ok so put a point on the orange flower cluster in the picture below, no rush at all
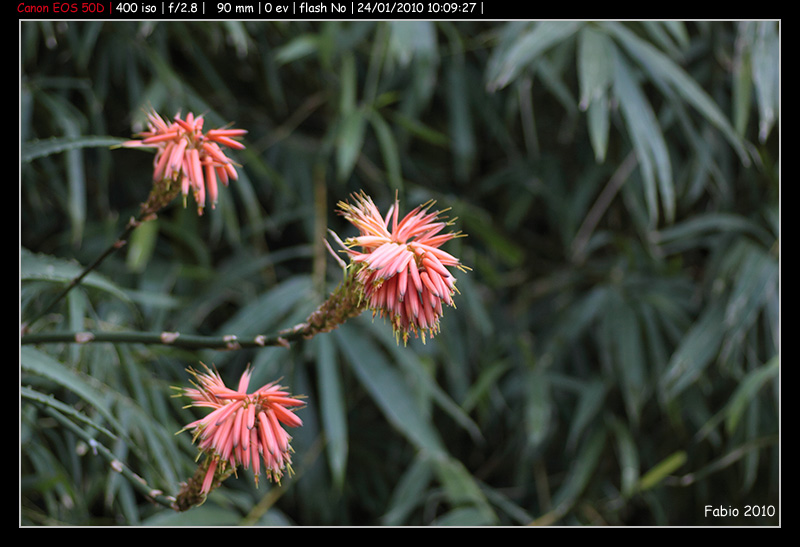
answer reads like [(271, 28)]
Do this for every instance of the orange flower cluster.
[(243, 428), (403, 272), (188, 156)]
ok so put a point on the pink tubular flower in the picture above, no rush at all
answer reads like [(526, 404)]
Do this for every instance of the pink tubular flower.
[(188, 156), (403, 271), (243, 428)]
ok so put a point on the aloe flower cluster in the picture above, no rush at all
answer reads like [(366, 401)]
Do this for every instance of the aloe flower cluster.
[(188, 158), (402, 270), (242, 428)]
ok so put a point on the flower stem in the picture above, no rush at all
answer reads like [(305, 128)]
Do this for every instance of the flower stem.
[(345, 302), (120, 242), (160, 196), (135, 480), (185, 341)]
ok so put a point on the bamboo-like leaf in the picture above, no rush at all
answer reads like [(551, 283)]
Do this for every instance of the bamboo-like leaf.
[(507, 62), (208, 514), (332, 405), (663, 68), (756, 282), (36, 149), (623, 337), (591, 399), (464, 516), (742, 81), (595, 65), (695, 352), (421, 377), (350, 139), (539, 407), (460, 123), (264, 314), (141, 245), (580, 472), (389, 391), (628, 457), (35, 362), (412, 38), (689, 233), (766, 75), (462, 490), (67, 410), (409, 491), (43, 267), (389, 151), (648, 141), (665, 467), (747, 390), (298, 48), (595, 75)]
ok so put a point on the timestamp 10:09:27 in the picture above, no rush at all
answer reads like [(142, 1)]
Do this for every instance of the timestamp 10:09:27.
[(416, 7)]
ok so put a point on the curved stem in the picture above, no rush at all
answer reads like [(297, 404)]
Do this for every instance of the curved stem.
[(120, 242), (161, 194), (135, 480)]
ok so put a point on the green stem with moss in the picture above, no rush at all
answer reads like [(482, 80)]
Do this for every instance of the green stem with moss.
[(343, 303)]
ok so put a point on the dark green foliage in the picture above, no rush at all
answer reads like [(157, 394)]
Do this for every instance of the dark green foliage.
[(614, 357)]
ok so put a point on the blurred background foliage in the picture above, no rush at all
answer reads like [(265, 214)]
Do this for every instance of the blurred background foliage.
[(614, 357)]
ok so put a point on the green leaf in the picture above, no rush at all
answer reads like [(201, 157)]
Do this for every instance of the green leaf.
[(688, 233), (421, 376), (389, 151), (581, 471), (539, 408), (592, 397), (598, 123), (756, 282), (460, 123), (389, 391), (349, 141), (628, 457), (697, 349), (49, 268), (661, 470), (35, 362), (36, 149), (297, 48), (766, 75), (465, 516), (208, 514), (622, 335), (67, 410), (463, 491), (419, 130), (595, 75), (664, 69), (648, 141), (409, 491), (264, 314), (595, 65), (412, 38), (509, 60), (141, 245), (332, 406), (747, 390)]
